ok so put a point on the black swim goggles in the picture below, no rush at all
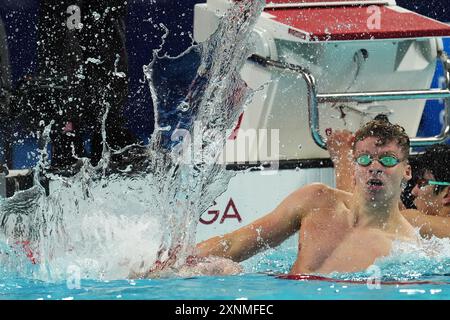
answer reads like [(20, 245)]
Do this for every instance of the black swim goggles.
[(386, 161)]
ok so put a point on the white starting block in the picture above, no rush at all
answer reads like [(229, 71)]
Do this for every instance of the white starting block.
[(321, 64)]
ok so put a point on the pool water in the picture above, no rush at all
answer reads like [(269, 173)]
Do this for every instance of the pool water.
[(401, 278), (240, 287), (105, 227)]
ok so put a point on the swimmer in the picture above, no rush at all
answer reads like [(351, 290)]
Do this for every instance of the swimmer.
[(338, 231), (431, 191)]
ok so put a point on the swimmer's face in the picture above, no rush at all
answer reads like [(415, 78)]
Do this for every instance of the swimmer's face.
[(426, 200), (378, 182)]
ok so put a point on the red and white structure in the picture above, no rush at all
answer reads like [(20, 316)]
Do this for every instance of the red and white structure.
[(321, 64)]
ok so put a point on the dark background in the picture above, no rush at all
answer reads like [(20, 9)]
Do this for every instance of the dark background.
[(143, 34)]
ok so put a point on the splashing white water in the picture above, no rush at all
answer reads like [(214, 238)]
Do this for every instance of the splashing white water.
[(109, 227), (428, 257), (407, 261)]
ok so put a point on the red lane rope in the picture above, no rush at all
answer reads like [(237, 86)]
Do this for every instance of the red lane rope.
[(309, 277), (28, 252)]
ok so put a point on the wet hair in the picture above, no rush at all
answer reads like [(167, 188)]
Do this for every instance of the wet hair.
[(381, 128), (436, 159), (381, 117)]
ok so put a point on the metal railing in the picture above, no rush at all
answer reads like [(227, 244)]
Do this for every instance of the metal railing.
[(315, 98)]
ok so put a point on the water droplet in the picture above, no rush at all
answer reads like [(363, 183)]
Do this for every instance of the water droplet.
[(183, 106)]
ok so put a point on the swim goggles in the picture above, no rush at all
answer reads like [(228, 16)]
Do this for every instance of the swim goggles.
[(386, 161), (424, 182)]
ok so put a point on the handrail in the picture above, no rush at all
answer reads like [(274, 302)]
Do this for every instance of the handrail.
[(383, 95), (314, 99), (326, 4)]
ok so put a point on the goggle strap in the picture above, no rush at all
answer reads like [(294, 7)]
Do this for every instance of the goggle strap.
[(438, 183)]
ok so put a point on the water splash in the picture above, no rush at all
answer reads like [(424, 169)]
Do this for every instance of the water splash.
[(111, 226), (212, 105), (430, 258), (409, 262)]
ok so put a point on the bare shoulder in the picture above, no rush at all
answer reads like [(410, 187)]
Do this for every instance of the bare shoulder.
[(428, 225), (413, 215), (314, 191), (418, 218), (319, 196)]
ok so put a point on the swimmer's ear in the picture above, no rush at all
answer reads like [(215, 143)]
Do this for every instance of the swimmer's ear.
[(446, 198)]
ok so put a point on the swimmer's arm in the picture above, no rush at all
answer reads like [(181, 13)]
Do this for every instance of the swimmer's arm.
[(428, 225), (268, 231), (339, 145)]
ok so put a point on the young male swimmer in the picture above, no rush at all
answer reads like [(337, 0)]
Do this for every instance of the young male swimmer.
[(338, 231), (431, 191)]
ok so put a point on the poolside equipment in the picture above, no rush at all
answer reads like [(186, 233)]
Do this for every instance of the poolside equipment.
[(318, 65)]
